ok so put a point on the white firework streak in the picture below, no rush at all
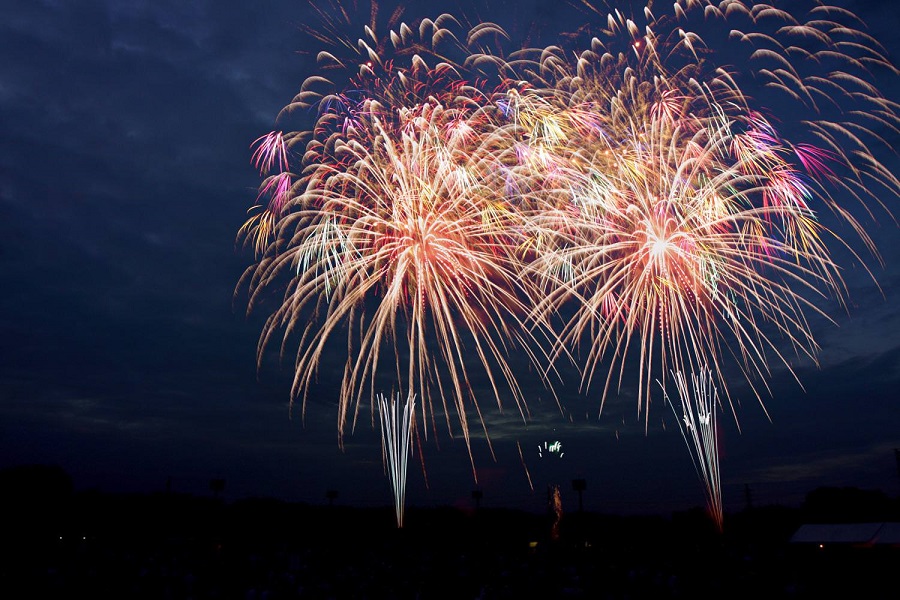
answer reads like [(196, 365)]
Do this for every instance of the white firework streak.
[(396, 427), (697, 423)]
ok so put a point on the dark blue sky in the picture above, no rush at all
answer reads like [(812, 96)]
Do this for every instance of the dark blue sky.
[(124, 176)]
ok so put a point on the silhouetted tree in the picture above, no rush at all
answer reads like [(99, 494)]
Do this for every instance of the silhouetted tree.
[(36, 498), (848, 504)]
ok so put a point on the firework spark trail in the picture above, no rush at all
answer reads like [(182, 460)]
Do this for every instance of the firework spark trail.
[(678, 227), (630, 198), (405, 226), (524, 466), (667, 252), (397, 423), (398, 236), (696, 420)]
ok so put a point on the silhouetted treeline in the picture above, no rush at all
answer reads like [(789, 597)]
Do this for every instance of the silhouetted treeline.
[(849, 505), (58, 542)]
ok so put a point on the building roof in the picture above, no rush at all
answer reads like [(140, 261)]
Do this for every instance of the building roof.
[(848, 533)]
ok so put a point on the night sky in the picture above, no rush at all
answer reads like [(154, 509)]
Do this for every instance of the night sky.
[(126, 359)]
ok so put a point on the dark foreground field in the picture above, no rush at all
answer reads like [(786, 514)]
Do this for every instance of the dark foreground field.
[(94, 545)]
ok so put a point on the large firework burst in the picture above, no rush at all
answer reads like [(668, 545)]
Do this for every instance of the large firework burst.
[(451, 203), (396, 235), (680, 228)]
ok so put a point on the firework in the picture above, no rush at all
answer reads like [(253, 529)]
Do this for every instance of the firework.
[(397, 422), (554, 506), (629, 203), (696, 418), (679, 227), (397, 234), (550, 449)]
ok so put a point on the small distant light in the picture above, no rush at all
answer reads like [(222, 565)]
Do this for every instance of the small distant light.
[(821, 546)]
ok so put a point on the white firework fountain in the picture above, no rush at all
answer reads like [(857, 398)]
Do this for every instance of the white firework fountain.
[(396, 427)]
